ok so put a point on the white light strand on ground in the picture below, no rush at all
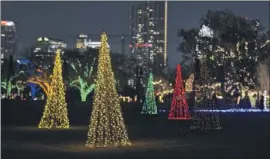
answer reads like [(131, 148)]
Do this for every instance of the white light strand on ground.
[(232, 110)]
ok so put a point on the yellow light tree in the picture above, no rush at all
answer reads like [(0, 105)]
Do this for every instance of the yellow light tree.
[(55, 114), (107, 127)]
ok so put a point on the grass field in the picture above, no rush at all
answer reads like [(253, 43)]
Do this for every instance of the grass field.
[(244, 135)]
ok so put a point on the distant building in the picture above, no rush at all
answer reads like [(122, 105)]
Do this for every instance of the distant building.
[(8, 39), (45, 50), (148, 29), (83, 43), (2, 58), (48, 45), (94, 45)]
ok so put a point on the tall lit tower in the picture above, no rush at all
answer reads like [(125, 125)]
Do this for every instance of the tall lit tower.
[(148, 32), (8, 39), (165, 32)]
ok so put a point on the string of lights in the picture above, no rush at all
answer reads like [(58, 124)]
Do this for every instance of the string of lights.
[(126, 99), (162, 88), (232, 110), (44, 82)]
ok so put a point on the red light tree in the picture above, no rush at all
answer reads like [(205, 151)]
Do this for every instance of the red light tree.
[(179, 107)]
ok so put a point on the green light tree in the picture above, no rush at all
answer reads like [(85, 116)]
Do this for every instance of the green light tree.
[(149, 105), (83, 80)]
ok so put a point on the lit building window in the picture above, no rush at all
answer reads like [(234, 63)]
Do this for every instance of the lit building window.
[(131, 82)]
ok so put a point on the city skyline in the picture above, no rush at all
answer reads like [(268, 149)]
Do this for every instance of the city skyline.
[(72, 18)]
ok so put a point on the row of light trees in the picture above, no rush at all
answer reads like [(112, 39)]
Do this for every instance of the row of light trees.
[(107, 127), (107, 124)]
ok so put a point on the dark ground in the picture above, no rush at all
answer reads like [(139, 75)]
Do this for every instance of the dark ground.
[(245, 135)]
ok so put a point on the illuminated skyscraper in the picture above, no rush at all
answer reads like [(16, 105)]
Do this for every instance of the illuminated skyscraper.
[(149, 32), (8, 39)]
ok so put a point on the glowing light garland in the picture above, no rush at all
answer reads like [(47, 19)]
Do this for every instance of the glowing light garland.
[(44, 82), (236, 87), (126, 99), (55, 114), (107, 126), (232, 110), (179, 107), (162, 88), (149, 105), (82, 83), (162, 94)]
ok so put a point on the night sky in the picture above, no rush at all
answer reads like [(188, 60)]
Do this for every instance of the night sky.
[(65, 20)]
